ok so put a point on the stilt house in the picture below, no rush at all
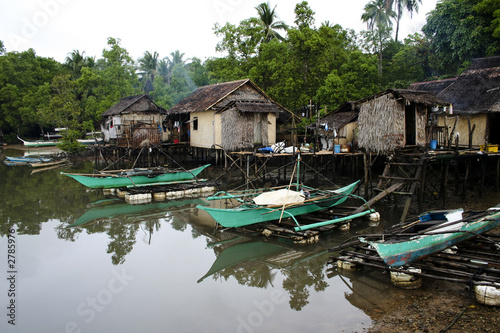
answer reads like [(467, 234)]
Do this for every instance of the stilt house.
[(394, 119), (135, 121), (235, 115), (472, 113)]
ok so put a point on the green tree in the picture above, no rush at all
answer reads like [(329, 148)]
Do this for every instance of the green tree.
[(304, 15), (356, 78), (65, 111), (244, 40), (460, 30), (119, 78), (314, 53), (240, 42), (411, 62), (22, 74)]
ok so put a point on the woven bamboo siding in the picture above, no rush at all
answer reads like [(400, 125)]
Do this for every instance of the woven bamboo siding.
[(381, 124), (238, 130), (421, 120)]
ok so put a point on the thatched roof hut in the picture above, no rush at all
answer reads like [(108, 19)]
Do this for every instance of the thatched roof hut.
[(134, 121), (394, 118), (233, 115), (134, 104)]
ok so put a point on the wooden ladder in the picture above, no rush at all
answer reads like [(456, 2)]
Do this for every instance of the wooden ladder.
[(402, 175)]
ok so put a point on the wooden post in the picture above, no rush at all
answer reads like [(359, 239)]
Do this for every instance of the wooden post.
[(365, 162), (248, 170), (466, 176), (483, 174), (498, 174)]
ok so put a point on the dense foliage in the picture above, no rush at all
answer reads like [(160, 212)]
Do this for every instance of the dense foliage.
[(302, 65)]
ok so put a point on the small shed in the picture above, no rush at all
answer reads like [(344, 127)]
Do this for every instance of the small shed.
[(235, 115), (339, 127), (135, 121), (394, 119)]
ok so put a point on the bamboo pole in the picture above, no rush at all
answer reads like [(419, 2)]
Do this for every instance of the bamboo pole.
[(289, 185)]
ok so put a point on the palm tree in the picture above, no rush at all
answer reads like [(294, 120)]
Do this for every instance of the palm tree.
[(75, 61), (148, 66), (378, 16), (399, 6), (163, 69), (269, 27), (175, 59)]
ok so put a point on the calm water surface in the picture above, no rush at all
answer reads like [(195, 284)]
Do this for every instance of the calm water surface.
[(161, 267)]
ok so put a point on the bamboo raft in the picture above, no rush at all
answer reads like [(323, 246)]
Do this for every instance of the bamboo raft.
[(473, 262)]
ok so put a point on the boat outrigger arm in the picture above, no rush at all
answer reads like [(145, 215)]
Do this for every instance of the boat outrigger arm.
[(323, 223), (333, 221), (328, 222)]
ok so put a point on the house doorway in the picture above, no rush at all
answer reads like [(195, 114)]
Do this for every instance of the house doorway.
[(410, 125), (494, 124)]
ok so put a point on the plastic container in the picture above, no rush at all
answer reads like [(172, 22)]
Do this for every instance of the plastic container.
[(344, 148), (433, 144), (337, 149)]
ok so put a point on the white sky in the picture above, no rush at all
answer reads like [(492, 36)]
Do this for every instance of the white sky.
[(54, 28)]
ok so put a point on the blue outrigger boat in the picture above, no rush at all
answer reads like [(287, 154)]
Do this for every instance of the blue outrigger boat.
[(19, 161), (23, 159)]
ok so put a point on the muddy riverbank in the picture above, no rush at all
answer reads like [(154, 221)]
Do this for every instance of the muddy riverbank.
[(442, 306)]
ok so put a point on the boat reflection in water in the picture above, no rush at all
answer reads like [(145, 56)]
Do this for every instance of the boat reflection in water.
[(116, 208), (257, 263)]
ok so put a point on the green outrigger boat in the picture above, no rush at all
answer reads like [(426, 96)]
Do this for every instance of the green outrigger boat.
[(289, 203), (432, 233), (135, 177)]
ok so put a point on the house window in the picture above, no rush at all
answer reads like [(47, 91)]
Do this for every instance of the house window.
[(195, 124)]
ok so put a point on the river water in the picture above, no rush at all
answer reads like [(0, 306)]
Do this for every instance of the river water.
[(162, 267)]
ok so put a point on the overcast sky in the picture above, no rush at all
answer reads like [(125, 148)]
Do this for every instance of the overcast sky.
[(53, 28)]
